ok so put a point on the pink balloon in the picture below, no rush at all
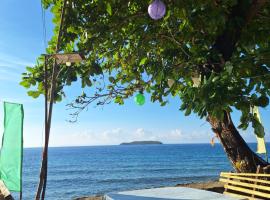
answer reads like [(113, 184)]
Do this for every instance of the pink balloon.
[(157, 9)]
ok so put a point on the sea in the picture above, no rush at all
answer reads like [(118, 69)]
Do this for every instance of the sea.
[(84, 171)]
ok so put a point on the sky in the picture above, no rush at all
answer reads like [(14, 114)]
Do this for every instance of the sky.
[(22, 42)]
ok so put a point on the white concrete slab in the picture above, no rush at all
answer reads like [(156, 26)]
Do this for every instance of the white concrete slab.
[(168, 193)]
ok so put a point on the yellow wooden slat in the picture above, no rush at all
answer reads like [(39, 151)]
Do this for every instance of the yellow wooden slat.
[(250, 185), (239, 195), (246, 179), (247, 191), (244, 174), (256, 177)]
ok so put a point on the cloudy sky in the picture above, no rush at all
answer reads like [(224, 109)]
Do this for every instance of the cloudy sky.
[(21, 42)]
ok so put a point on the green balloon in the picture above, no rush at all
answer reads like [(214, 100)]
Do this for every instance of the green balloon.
[(139, 99)]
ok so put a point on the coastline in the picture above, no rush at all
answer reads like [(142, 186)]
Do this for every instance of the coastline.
[(214, 186)]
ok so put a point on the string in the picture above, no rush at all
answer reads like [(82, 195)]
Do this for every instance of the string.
[(42, 135), (43, 16)]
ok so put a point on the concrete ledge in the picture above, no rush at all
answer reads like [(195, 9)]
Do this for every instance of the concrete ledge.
[(168, 193)]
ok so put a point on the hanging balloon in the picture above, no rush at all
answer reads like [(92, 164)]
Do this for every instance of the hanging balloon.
[(157, 9), (139, 99), (68, 64)]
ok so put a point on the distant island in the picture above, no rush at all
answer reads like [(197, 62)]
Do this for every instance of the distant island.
[(141, 143)]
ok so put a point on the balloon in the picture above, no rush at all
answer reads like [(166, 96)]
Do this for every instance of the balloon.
[(139, 99), (68, 64), (157, 9)]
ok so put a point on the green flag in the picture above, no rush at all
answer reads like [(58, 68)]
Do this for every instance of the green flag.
[(12, 147)]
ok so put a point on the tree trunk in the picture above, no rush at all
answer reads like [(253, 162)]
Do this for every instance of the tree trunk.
[(243, 159), (241, 156)]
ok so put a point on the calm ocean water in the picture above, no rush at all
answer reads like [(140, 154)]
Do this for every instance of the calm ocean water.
[(83, 171)]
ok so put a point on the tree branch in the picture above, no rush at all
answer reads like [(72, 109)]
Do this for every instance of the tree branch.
[(83, 101), (242, 13)]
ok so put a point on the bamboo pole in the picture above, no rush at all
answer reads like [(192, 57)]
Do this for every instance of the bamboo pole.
[(46, 126), (48, 113), (42, 174)]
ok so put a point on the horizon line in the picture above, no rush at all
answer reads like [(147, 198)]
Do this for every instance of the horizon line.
[(104, 145)]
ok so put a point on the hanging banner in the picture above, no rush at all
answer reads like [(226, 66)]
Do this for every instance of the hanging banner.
[(261, 148), (12, 147)]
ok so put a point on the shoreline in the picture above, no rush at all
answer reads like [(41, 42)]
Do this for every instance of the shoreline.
[(214, 186)]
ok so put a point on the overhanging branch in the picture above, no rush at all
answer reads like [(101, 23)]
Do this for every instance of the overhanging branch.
[(242, 13)]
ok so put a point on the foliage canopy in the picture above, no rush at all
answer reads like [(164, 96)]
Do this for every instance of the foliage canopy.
[(134, 53)]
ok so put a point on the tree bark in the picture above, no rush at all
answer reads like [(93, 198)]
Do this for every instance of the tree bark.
[(243, 159)]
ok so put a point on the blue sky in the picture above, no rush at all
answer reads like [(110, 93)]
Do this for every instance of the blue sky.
[(21, 43)]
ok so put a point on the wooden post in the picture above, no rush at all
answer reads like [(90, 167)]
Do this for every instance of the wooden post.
[(41, 177), (256, 177), (21, 182), (48, 116), (48, 112), (48, 126)]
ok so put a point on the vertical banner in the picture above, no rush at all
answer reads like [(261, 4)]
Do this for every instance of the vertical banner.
[(261, 148), (11, 155)]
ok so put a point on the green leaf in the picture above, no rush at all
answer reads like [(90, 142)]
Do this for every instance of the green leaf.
[(164, 103), (111, 79), (188, 111), (88, 82), (229, 67), (258, 128), (119, 100), (263, 101), (34, 94), (109, 8), (215, 79), (142, 62), (58, 98), (25, 84)]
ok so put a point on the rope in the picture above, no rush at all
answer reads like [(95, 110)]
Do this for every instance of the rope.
[(43, 16)]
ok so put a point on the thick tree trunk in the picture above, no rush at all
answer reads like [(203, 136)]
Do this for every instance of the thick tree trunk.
[(243, 159)]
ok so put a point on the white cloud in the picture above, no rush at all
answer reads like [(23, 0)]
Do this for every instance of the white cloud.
[(118, 135), (85, 138), (9, 74), (68, 135), (11, 67), (74, 135), (10, 61)]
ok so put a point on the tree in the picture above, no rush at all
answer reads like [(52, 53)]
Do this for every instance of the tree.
[(224, 44)]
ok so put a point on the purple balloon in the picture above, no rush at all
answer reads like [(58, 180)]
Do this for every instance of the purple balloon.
[(157, 9)]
